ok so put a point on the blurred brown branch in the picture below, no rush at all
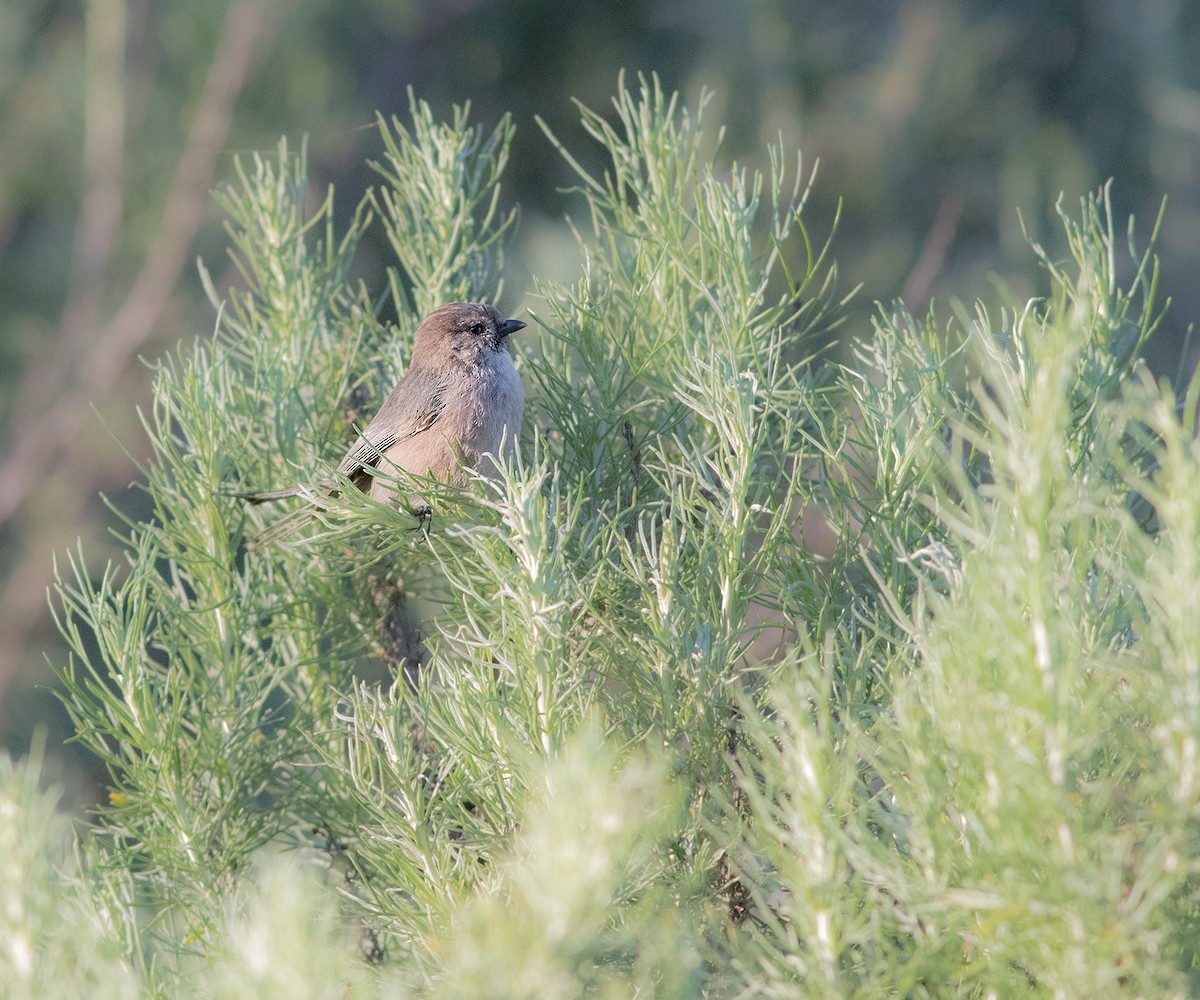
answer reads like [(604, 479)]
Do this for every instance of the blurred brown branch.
[(933, 254), (55, 396)]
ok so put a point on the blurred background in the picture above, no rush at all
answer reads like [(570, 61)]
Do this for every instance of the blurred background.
[(934, 122)]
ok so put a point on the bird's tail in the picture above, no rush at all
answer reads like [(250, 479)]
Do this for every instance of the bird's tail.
[(283, 526), (268, 495)]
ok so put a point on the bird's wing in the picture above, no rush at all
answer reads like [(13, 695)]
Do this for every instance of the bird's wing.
[(407, 412), (401, 417)]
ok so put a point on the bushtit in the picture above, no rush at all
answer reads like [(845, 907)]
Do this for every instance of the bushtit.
[(460, 401)]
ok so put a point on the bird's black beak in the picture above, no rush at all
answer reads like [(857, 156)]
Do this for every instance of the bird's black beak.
[(509, 326)]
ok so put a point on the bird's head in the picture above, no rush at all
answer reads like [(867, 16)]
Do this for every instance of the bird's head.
[(462, 333)]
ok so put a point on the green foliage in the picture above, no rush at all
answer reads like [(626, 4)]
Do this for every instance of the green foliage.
[(618, 727), (440, 207), (58, 941)]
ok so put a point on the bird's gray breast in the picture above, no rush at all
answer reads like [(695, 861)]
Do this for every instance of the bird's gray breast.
[(494, 400)]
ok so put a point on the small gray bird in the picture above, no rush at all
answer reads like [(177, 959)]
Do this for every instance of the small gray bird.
[(460, 401)]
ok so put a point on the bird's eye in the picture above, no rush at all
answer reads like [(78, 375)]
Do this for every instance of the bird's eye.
[(477, 329)]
